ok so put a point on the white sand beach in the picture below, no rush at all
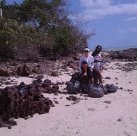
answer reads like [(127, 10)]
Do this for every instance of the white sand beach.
[(112, 115)]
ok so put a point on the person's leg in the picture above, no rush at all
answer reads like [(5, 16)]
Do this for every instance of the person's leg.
[(90, 74), (100, 77), (95, 76), (84, 67)]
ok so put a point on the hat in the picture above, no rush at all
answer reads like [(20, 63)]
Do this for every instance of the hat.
[(86, 49)]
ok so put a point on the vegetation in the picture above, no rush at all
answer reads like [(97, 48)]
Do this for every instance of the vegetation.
[(38, 28)]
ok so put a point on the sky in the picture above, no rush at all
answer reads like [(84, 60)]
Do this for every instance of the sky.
[(114, 22)]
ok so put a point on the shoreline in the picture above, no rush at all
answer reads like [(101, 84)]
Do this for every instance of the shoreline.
[(117, 48)]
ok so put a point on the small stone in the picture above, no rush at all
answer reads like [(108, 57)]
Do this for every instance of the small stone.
[(56, 102), (119, 120), (9, 127), (121, 88), (108, 102), (54, 73), (107, 77)]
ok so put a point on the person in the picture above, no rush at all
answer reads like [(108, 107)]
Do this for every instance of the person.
[(86, 77), (98, 67), (86, 65), (86, 74), (88, 58)]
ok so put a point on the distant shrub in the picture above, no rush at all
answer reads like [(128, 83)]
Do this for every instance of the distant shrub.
[(8, 34)]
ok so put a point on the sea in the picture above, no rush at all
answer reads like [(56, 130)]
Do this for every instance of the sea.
[(115, 48)]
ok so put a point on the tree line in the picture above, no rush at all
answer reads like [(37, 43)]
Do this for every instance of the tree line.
[(38, 28)]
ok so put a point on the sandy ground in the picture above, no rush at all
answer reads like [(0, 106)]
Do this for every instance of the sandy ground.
[(112, 115)]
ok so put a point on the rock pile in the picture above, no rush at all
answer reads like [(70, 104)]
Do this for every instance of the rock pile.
[(129, 54), (21, 102), (49, 87), (110, 88)]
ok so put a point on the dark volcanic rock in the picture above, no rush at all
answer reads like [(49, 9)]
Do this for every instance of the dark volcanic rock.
[(4, 72), (44, 66), (76, 76), (54, 73), (110, 88), (107, 102), (72, 98), (23, 70), (107, 77), (129, 54), (22, 101), (48, 87)]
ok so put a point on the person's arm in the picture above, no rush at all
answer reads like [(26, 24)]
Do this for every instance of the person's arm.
[(101, 58)]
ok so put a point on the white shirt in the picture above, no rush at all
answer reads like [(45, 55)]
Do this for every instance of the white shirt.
[(89, 60), (98, 57)]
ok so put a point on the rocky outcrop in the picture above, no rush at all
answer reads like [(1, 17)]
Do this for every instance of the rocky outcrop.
[(129, 54), (4, 72), (21, 102)]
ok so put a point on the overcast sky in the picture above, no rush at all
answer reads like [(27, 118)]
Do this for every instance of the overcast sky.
[(113, 21)]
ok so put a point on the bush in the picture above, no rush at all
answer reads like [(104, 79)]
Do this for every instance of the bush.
[(8, 34), (40, 28)]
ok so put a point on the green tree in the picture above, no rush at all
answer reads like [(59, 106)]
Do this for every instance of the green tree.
[(41, 27)]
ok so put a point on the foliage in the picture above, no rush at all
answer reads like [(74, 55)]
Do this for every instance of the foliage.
[(37, 28)]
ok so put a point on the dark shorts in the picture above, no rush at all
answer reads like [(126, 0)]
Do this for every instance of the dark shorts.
[(86, 79)]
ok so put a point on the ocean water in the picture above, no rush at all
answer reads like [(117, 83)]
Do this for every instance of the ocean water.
[(115, 48)]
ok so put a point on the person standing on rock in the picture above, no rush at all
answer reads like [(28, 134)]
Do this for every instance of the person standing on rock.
[(98, 67), (86, 64)]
